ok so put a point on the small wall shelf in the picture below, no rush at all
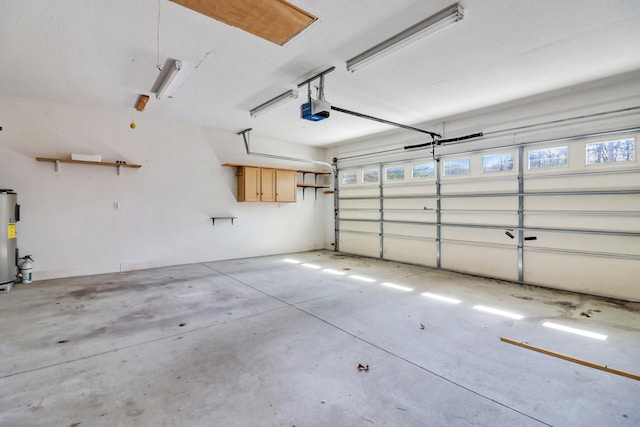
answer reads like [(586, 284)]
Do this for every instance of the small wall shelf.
[(315, 185), (213, 219), (82, 162)]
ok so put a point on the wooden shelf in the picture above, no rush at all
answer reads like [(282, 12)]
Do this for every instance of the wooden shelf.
[(315, 186), (83, 162), (235, 165), (312, 186), (315, 172), (213, 219)]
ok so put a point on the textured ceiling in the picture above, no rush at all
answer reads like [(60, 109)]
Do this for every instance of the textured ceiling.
[(102, 54)]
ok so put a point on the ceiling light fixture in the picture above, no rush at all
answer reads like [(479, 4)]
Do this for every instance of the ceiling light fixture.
[(274, 102), (172, 72), (436, 22)]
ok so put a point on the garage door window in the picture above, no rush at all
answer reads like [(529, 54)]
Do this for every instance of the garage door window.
[(620, 150), (497, 163), (370, 176), (422, 170), (394, 173), (349, 177), (457, 167), (549, 157)]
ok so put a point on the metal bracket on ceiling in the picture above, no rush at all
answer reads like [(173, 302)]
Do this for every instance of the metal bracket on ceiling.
[(320, 75)]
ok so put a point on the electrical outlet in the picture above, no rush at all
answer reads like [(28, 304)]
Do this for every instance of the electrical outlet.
[(116, 205)]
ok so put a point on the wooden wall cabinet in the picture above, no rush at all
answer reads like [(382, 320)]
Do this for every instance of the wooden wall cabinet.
[(248, 184), (286, 186), (257, 184)]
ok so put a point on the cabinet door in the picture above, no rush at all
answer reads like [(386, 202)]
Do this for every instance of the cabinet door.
[(248, 184), (267, 185), (285, 186)]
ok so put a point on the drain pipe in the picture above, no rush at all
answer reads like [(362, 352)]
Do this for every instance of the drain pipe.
[(245, 136)]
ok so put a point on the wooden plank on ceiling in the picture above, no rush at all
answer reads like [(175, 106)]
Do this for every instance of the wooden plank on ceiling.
[(277, 21)]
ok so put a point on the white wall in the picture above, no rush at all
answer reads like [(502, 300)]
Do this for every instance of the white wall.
[(487, 251), (70, 226)]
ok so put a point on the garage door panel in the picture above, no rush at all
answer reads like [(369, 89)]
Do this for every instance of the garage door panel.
[(584, 273), (360, 215), (624, 245), (409, 230), (612, 202), (582, 182), (359, 244), (481, 218), (414, 203), (359, 191), (494, 262), (422, 216), (480, 203), (371, 227), (479, 186), (478, 235), (601, 222), (359, 204), (413, 251), (409, 190)]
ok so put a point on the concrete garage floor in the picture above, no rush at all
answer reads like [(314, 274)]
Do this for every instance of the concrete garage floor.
[(275, 341)]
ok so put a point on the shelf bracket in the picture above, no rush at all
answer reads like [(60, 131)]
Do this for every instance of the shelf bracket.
[(213, 219), (57, 166)]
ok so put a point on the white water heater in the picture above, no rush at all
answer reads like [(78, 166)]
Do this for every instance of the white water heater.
[(9, 216)]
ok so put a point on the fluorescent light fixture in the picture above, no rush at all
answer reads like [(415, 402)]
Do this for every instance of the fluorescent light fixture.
[(272, 103), (291, 261), (498, 312), (575, 331), (441, 298), (436, 22), (172, 72), (362, 278), (394, 286), (336, 272), (315, 267)]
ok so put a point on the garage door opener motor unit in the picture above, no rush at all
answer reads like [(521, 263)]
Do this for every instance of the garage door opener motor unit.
[(315, 109)]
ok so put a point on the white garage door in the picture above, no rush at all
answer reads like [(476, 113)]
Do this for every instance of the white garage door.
[(564, 214)]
